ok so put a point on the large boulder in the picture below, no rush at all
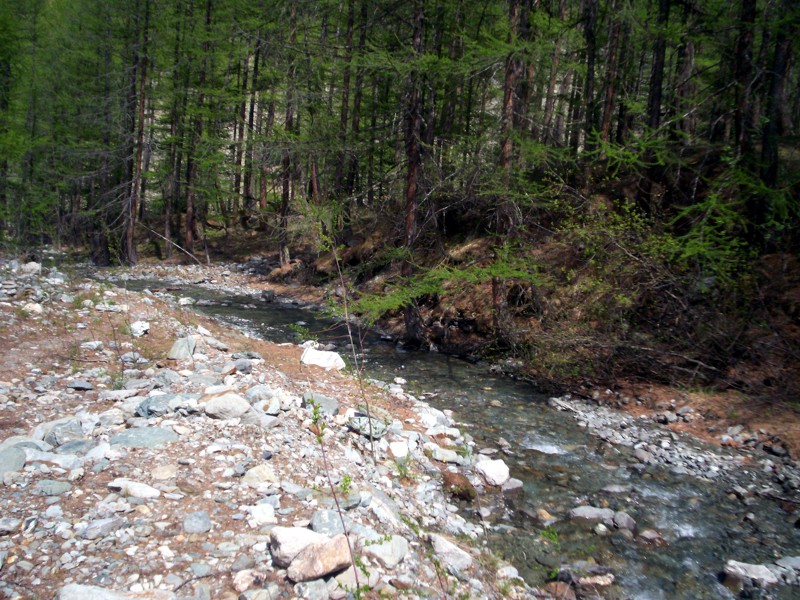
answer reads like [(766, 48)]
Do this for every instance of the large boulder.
[(494, 472), (320, 559), (285, 543)]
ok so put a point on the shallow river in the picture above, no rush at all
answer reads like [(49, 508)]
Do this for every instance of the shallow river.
[(562, 465)]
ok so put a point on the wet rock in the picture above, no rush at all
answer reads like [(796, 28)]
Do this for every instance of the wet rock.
[(759, 574), (650, 536), (789, 562), (623, 520), (494, 472), (320, 559), (444, 455), (457, 484), (591, 513)]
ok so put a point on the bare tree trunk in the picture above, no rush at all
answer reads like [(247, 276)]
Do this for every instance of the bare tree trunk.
[(286, 163), (657, 72), (743, 118), (190, 228), (611, 75)]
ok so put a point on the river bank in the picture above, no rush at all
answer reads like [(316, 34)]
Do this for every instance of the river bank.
[(431, 438), (149, 452)]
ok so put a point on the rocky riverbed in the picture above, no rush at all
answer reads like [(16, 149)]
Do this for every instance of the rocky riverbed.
[(148, 452)]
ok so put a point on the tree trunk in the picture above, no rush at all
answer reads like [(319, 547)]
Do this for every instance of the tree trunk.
[(657, 72), (190, 229), (743, 117), (286, 163), (778, 75), (590, 36), (413, 329), (611, 75), (136, 186)]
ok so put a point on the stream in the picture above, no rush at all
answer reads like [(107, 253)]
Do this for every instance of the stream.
[(563, 463)]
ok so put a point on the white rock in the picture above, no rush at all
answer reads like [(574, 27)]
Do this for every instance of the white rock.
[(262, 514), (451, 555), (398, 450), (134, 488), (322, 358), (33, 308), (494, 472), (758, 573), (139, 328), (224, 405)]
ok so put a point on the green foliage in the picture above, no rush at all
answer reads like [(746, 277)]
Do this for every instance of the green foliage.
[(443, 278)]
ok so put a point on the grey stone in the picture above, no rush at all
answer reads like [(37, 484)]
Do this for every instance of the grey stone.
[(312, 590), (591, 513), (51, 487), (154, 406), (452, 557), (65, 461), (100, 528), (166, 377), (66, 428), (9, 525), (328, 522), (133, 358), (11, 459), (182, 348), (243, 365), (623, 520), (789, 562), (327, 405), (77, 447), (80, 385), (144, 437), (760, 574), (643, 456), (249, 354), (197, 522), (388, 553), (76, 591), (361, 424)]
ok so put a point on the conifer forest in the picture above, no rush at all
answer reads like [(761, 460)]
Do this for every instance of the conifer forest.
[(591, 187)]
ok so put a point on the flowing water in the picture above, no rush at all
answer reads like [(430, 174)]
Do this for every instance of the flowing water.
[(562, 465)]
